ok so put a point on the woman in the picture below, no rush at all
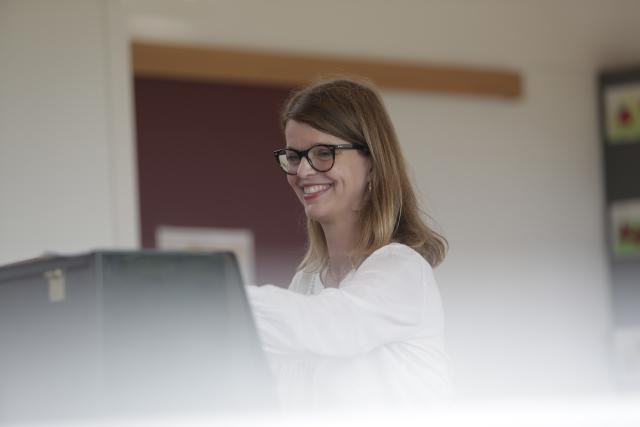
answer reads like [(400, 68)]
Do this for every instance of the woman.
[(361, 322)]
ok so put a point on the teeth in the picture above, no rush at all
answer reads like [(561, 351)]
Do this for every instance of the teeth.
[(315, 188)]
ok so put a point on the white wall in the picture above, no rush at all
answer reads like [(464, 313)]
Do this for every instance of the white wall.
[(515, 185), (66, 153)]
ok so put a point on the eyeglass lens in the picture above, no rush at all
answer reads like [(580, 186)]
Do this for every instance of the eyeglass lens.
[(321, 159)]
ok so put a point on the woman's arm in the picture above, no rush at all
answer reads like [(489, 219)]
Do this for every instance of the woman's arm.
[(384, 301)]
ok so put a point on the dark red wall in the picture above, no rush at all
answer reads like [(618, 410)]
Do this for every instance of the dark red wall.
[(204, 160)]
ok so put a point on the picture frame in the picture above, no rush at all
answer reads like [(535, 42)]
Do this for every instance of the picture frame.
[(625, 228), (237, 240), (622, 112)]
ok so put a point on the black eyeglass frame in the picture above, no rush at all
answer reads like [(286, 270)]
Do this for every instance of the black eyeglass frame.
[(305, 154)]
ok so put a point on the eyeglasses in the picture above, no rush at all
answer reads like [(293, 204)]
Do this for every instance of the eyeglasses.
[(321, 157)]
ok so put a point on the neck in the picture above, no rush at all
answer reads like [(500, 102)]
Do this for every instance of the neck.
[(341, 239)]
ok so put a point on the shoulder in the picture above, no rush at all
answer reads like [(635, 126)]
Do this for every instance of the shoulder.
[(397, 266), (401, 276), (394, 264), (397, 253)]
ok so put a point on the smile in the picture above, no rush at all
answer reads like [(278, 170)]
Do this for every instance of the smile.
[(312, 189), (311, 192)]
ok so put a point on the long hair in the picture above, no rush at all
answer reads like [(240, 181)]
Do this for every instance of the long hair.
[(353, 111)]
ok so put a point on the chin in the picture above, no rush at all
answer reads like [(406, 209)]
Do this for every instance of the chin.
[(315, 214)]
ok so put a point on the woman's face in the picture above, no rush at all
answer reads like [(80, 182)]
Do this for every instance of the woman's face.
[(335, 195)]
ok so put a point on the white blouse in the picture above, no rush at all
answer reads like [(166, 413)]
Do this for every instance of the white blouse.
[(377, 339)]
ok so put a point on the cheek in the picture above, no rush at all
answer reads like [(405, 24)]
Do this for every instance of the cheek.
[(359, 188)]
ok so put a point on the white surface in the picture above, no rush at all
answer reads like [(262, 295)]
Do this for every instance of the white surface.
[(556, 412)]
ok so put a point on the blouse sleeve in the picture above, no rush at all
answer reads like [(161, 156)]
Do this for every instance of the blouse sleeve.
[(384, 301)]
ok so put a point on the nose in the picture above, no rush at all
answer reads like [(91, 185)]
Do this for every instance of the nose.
[(304, 168)]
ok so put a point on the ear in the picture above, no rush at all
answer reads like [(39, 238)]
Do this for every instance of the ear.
[(370, 166)]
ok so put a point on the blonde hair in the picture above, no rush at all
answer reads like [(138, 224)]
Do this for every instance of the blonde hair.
[(353, 111)]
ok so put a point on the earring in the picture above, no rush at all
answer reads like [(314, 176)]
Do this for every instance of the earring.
[(369, 186)]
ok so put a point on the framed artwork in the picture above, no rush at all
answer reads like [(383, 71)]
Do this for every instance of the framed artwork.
[(238, 241), (622, 113), (625, 228)]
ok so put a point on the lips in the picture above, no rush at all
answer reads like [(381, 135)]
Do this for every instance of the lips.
[(313, 191), (310, 189)]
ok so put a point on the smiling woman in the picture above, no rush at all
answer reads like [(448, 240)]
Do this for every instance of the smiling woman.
[(361, 322), (331, 191)]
